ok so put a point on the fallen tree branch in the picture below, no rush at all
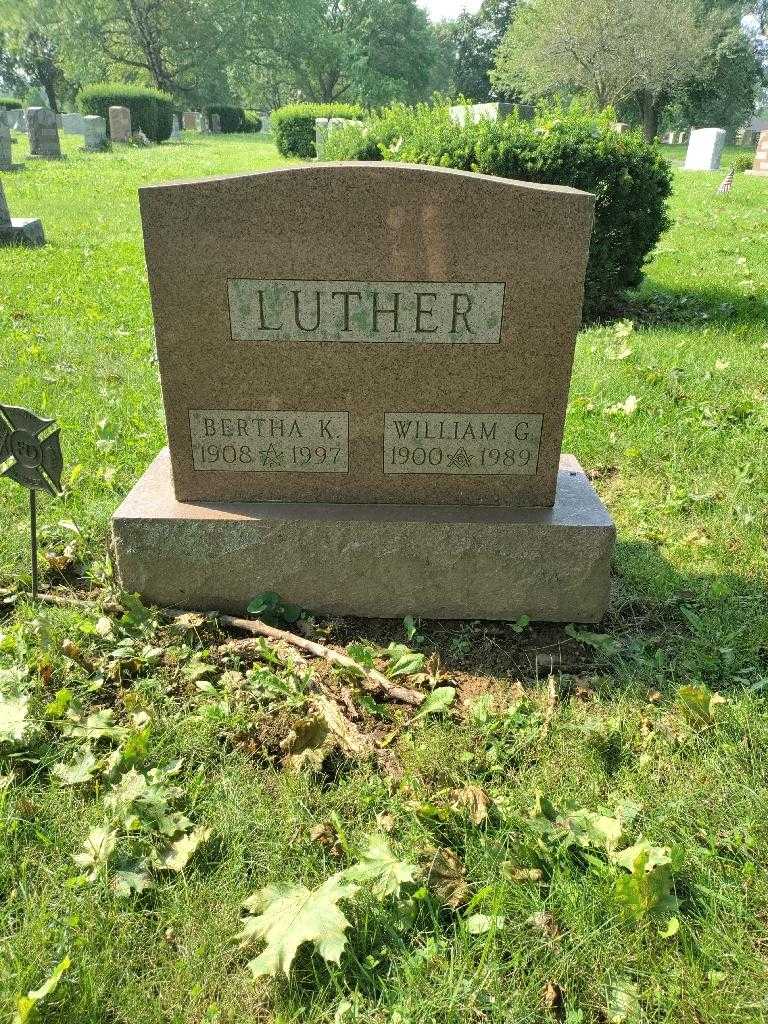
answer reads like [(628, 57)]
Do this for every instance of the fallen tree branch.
[(373, 682)]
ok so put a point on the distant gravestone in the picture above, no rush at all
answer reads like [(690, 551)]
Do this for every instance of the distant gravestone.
[(94, 133), (6, 152), (760, 166), (21, 230), (266, 124), (43, 133), (189, 120), (16, 120), (620, 127), (480, 111), (682, 137), (119, 124), (72, 124), (323, 128), (175, 130), (216, 123), (705, 149), (365, 396)]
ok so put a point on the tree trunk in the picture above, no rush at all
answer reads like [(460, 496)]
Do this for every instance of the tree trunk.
[(650, 108), (47, 79)]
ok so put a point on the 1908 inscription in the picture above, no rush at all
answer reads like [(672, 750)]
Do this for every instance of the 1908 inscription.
[(484, 444), (269, 442), (366, 312)]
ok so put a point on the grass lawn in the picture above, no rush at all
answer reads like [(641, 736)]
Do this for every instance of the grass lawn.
[(513, 805)]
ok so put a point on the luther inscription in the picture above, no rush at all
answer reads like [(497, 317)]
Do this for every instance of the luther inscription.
[(269, 441), (366, 312), (478, 445)]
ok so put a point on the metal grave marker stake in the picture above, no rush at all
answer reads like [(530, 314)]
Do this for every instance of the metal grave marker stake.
[(30, 454)]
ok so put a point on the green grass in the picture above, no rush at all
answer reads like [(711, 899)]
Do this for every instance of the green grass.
[(686, 478)]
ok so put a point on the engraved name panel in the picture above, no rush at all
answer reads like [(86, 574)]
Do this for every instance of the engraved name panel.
[(482, 444), (269, 442), (366, 312)]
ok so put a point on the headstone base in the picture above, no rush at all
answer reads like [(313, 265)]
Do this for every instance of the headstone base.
[(443, 562), (22, 231)]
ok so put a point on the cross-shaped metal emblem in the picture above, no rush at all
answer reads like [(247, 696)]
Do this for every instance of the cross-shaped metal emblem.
[(30, 454)]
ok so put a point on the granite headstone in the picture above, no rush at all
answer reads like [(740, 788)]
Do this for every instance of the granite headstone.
[(371, 361), (43, 133), (94, 133), (18, 230), (705, 148), (119, 124)]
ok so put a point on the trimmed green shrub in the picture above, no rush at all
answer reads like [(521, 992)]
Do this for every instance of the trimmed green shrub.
[(743, 162), (629, 177), (252, 121), (294, 125), (151, 110), (232, 118), (351, 142), (9, 103)]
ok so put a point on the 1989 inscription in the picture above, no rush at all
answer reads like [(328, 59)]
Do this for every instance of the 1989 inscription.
[(366, 312), (484, 444), (269, 442)]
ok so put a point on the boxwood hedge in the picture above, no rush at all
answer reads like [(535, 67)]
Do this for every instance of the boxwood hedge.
[(630, 178), (151, 110), (294, 125)]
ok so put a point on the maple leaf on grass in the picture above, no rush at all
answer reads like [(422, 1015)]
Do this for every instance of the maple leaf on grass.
[(379, 866), (14, 724), (293, 915), (177, 854), (97, 849)]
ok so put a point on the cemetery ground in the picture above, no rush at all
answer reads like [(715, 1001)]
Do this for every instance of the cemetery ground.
[(497, 886)]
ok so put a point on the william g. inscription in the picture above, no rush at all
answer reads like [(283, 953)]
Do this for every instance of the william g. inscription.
[(366, 312), (269, 441), (488, 444)]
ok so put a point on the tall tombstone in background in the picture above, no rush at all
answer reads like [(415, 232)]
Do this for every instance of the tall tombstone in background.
[(705, 148), (323, 128), (189, 120), (365, 370), (16, 119), (94, 133), (175, 130), (475, 112), (43, 133), (215, 122), (119, 124), (6, 150), (760, 166), (18, 230), (72, 124)]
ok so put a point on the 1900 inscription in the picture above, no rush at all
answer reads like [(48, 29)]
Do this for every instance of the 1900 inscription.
[(269, 442), (485, 444), (366, 312)]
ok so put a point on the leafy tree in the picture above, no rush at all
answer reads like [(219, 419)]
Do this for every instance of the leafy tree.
[(727, 97), (29, 53), (475, 39), (612, 49), (369, 50), (179, 46)]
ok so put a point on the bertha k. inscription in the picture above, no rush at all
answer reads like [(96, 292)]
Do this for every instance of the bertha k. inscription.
[(366, 312), (269, 442)]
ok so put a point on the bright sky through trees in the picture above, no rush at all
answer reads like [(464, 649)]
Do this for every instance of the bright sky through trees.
[(438, 9)]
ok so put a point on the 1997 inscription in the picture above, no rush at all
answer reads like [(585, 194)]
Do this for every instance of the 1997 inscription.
[(366, 312), (269, 442), (485, 444)]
